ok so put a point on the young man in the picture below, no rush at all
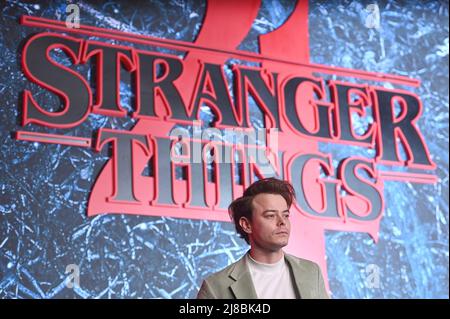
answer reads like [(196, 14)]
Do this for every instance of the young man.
[(261, 217)]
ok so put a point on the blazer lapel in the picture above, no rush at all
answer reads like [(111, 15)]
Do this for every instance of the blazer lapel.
[(305, 286), (243, 287)]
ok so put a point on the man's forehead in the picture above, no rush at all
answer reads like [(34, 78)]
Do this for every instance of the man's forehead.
[(267, 201)]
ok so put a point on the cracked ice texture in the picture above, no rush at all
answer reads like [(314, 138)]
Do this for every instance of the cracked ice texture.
[(45, 187)]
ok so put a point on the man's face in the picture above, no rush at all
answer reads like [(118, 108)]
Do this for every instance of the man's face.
[(270, 226)]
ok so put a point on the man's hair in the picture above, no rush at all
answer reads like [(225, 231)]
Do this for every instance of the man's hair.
[(242, 206)]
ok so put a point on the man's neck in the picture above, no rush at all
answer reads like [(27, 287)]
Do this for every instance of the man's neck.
[(266, 257)]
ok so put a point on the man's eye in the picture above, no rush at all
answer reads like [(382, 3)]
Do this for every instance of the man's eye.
[(270, 216)]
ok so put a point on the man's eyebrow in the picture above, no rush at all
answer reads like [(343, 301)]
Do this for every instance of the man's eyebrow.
[(274, 211)]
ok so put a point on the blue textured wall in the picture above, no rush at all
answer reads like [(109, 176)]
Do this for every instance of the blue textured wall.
[(44, 187)]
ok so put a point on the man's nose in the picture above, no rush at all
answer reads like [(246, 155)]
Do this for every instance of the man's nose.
[(281, 220)]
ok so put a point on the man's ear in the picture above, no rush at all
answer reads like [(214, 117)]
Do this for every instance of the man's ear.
[(245, 225)]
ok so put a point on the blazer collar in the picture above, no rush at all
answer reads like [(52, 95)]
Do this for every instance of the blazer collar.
[(243, 287), (304, 286)]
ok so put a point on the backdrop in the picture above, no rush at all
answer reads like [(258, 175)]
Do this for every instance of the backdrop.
[(44, 230)]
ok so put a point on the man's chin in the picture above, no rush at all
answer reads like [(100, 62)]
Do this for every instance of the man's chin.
[(283, 240), (280, 244)]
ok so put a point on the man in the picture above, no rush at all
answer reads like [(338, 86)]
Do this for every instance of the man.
[(261, 217)]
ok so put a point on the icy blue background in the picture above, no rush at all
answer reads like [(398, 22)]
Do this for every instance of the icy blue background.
[(44, 187)]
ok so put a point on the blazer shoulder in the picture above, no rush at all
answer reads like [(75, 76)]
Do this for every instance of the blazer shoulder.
[(218, 284), (304, 263), (224, 273)]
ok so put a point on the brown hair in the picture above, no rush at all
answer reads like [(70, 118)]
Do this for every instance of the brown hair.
[(242, 206)]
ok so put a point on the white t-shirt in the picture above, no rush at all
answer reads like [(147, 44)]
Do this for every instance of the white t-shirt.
[(271, 281)]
